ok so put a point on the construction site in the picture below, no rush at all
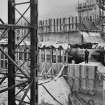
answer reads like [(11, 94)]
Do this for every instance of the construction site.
[(43, 62)]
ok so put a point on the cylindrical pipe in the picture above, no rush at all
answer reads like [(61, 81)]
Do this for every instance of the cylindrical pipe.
[(34, 51)]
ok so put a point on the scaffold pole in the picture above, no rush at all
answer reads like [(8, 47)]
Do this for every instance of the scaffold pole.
[(33, 48), (11, 50)]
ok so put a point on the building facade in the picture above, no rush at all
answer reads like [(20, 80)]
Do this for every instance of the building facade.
[(59, 30), (91, 15), (89, 9)]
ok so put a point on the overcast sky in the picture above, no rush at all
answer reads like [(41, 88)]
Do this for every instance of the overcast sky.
[(57, 8), (47, 8)]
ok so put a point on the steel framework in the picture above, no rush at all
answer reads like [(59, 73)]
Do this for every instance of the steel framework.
[(30, 84)]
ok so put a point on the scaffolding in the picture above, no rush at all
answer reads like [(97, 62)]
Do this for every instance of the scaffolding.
[(29, 85), (101, 5), (92, 21)]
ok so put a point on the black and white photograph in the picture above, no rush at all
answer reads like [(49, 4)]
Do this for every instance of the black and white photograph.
[(52, 52)]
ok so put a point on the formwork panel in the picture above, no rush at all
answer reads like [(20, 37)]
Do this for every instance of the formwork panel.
[(83, 71), (91, 85), (104, 92), (71, 68), (77, 71), (91, 72), (59, 66), (76, 84), (83, 84)]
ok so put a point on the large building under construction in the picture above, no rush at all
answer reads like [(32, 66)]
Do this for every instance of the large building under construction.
[(91, 14), (43, 63), (89, 9)]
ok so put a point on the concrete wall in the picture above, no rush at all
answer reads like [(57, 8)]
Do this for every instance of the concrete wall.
[(72, 38)]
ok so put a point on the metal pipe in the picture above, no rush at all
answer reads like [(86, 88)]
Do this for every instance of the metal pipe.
[(25, 94), (33, 50), (18, 67), (21, 15), (11, 49), (13, 86), (21, 3), (13, 26)]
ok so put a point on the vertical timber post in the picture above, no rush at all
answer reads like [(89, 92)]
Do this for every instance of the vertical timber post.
[(34, 50), (11, 50)]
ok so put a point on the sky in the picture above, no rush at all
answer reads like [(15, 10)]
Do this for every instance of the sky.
[(47, 8), (57, 8)]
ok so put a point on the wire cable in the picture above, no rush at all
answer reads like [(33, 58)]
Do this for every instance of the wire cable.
[(52, 95)]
